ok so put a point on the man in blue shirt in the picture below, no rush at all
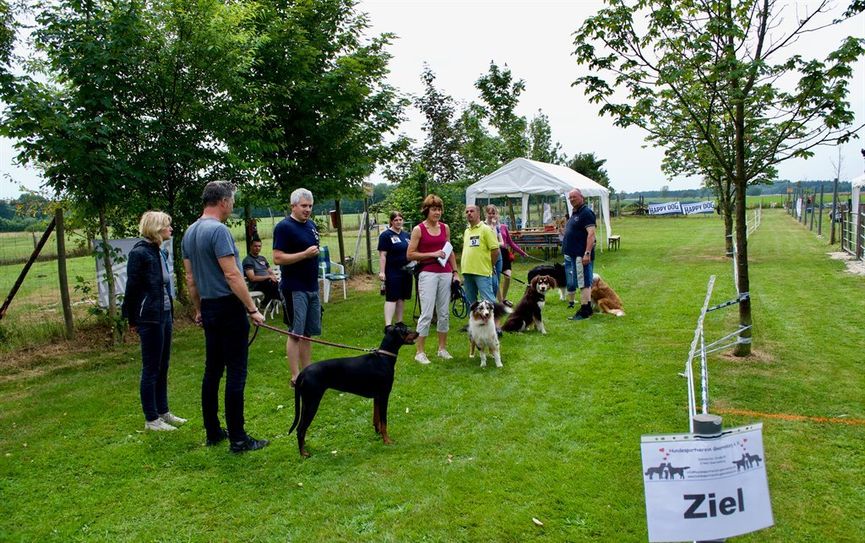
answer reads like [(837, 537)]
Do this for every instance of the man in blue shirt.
[(578, 246), (295, 249), (222, 302)]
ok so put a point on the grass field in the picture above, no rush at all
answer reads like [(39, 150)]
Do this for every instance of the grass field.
[(553, 435)]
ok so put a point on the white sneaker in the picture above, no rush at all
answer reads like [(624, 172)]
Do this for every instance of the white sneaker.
[(445, 355), (158, 425), (421, 358), (172, 419)]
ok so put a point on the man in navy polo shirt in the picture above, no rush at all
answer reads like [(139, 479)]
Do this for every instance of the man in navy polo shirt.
[(578, 246), (295, 249)]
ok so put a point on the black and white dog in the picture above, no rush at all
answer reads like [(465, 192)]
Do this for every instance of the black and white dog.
[(482, 330), (528, 311), (556, 271)]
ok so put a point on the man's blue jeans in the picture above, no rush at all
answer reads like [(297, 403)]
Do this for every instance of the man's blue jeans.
[(478, 285)]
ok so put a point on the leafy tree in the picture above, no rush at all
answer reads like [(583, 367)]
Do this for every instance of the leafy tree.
[(440, 154), (191, 99), (712, 71), (541, 143), (76, 125), (481, 150), (320, 90), (8, 28), (592, 167), (501, 95)]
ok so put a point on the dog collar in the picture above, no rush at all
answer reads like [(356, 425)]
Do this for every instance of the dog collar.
[(382, 351)]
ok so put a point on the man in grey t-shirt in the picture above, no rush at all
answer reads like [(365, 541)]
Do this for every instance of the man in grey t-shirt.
[(222, 302)]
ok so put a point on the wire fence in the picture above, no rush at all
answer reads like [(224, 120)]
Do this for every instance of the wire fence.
[(35, 314), (843, 222)]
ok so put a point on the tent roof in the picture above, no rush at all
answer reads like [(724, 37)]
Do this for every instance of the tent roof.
[(858, 181), (522, 176)]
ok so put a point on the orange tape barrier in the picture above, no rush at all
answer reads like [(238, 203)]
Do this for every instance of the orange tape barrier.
[(795, 418)]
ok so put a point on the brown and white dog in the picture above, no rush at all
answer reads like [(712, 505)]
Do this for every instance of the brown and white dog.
[(605, 298), (528, 311), (482, 330)]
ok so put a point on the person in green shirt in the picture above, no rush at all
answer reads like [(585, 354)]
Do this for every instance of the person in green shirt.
[(480, 253)]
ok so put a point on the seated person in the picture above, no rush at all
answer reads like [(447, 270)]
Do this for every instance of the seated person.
[(259, 275)]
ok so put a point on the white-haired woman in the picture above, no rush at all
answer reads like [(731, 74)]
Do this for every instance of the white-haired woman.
[(147, 305)]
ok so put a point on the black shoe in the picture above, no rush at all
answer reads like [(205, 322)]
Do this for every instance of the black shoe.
[(498, 331), (578, 316), (223, 435), (248, 444), (570, 305), (464, 328)]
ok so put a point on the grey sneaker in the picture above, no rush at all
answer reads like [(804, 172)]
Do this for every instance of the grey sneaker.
[(158, 425), (421, 358), (172, 419), (444, 354)]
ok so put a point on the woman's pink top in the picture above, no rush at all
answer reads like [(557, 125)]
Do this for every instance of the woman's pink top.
[(431, 244), (509, 242)]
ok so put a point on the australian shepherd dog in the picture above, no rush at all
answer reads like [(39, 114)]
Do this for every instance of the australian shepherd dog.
[(556, 271), (482, 330), (528, 311), (605, 298)]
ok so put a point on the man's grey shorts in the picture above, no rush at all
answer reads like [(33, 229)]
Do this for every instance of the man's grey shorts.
[(305, 311)]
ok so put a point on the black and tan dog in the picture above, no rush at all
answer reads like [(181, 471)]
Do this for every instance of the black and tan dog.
[(369, 375), (528, 312), (556, 271)]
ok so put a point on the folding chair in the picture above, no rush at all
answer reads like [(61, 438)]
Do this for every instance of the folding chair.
[(330, 272)]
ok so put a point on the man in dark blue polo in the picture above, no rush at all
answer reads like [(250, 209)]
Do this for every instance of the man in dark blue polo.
[(295, 249), (578, 247)]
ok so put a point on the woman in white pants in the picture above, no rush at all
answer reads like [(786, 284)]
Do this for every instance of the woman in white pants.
[(427, 245)]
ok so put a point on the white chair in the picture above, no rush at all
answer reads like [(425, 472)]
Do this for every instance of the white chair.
[(272, 306), (330, 272)]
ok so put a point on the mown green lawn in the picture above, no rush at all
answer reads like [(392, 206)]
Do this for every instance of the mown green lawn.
[(554, 435)]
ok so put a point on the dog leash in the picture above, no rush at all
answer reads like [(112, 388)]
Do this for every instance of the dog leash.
[(313, 340)]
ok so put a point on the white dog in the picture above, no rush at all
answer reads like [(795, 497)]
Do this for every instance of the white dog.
[(482, 330)]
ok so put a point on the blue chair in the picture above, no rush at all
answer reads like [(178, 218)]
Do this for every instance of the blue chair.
[(330, 272)]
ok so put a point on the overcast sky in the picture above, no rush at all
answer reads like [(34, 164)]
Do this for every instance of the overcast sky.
[(459, 39)]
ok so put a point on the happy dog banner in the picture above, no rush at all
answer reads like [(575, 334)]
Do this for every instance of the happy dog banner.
[(677, 208), (705, 488)]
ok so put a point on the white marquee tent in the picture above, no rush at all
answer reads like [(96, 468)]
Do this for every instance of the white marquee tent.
[(521, 178)]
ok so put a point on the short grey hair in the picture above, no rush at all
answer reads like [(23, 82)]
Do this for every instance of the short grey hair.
[(300, 194), (216, 191)]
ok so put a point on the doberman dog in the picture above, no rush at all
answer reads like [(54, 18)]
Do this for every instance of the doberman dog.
[(369, 375)]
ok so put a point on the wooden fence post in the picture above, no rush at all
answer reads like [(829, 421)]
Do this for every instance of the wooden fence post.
[(820, 218), (62, 275)]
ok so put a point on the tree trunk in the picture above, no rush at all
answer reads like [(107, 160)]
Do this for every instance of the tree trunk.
[(744, 347), (109, 277)]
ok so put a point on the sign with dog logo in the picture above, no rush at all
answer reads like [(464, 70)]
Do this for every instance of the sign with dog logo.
[(701, 488)]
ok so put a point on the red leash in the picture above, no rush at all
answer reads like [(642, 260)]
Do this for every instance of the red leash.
[(313, 340)]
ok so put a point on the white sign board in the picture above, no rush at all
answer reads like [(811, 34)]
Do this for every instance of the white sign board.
[(120, 253), (671, 208), (699, 207), (706, 488)]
